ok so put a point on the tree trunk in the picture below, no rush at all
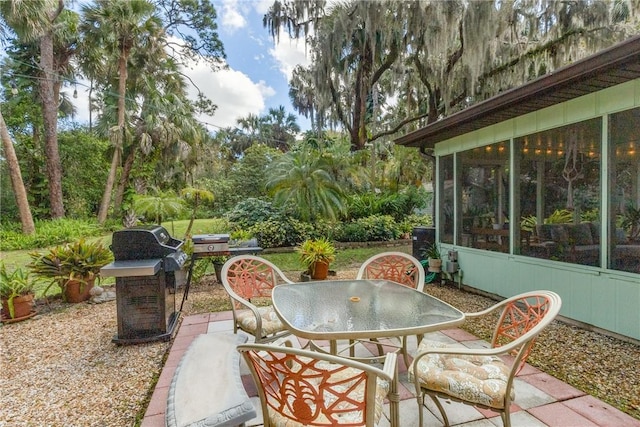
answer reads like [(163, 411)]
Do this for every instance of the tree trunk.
[(26, 219), (124, 179), (50, 116), (193, 216), (106, 196), (119, 139)]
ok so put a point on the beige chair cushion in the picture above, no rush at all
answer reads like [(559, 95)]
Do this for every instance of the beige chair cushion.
[(348, 417), (477, 379), (270, 321)]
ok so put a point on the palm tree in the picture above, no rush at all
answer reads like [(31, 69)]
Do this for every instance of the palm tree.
[(299, 179), (158, 206), (119, 27), (49, 25), (164, 121), (279, 128), (194, 196), (26, 219)]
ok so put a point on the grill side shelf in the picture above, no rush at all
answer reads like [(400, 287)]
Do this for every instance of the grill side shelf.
[(126, 268)]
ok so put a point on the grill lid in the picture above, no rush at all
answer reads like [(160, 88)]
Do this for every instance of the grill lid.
[(143, 242)]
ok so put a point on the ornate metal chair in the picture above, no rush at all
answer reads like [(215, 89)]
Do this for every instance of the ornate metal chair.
[(480, 377), (249, 279), (305, 388), (399, 267)]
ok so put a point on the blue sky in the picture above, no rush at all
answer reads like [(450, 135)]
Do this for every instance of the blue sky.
[(259, 70)]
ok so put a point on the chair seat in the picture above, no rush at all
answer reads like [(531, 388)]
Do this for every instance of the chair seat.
[(477, 379), (342, 383), (270, 321)]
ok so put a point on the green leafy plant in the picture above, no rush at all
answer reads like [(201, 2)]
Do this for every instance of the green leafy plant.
[(559, 216), (79, 261), (432, 252), (631, 221), (316, 250), (15, 284), (528, 223), (241, 235)]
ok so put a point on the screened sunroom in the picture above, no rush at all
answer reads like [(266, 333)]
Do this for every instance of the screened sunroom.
[(539, 188)]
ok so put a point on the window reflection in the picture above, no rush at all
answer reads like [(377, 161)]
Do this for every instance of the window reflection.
[(559, 193), (624, 191), (484, 197), (445, 211)]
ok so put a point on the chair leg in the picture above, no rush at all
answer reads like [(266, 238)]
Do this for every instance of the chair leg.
[(405, 352), (441, 409), (506, 418), (420, 399)]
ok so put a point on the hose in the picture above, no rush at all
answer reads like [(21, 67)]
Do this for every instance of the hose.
[(428, 278)]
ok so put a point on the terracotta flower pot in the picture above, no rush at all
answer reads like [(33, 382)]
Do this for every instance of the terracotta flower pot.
[(22, 307), (78, 291), (320, 270)]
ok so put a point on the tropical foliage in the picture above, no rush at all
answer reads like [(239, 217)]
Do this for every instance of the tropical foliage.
[(378, 69), (13, 284), (385, 66)]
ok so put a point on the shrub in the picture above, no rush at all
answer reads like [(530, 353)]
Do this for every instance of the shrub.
[(277, 233), (251, 211), (372, 228), (396, 204), (409, 222)]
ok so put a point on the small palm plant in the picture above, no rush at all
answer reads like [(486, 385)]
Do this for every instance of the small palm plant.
[(314, 252), (73, 262), (13, 285)]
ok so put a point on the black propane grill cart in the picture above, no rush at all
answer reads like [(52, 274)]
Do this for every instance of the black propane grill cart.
[(211, 245), (148, 267)]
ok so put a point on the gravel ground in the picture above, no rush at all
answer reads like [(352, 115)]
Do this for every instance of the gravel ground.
[(60, 368)]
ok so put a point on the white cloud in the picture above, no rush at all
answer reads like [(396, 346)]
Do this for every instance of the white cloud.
[(289, 53), (232, 91), (262, 6), (231, 16)]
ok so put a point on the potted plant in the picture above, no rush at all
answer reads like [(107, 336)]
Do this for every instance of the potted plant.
[(74, 267), (316, 255), (432, 253), (16, 292), (218, 261)]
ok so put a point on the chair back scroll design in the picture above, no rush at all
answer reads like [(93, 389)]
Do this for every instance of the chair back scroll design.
[(301, 387), (461, 373), (517, 318), (247, 278), (401, 268), (397, 266)]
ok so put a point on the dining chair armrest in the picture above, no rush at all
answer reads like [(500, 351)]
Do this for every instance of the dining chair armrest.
[(390, 366), (482, 312), (235, 298)]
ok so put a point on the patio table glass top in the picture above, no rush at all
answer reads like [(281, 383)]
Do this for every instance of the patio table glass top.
[(350, 309)]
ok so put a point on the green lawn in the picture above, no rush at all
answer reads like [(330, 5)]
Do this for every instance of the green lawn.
[(288, 261)]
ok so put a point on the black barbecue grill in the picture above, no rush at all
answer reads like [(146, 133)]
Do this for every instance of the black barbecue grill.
[(148, 267)]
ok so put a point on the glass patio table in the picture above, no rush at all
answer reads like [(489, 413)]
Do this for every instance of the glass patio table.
[(361, 309)]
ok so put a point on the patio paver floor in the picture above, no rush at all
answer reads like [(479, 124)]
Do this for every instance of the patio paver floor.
[(541, 400)]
